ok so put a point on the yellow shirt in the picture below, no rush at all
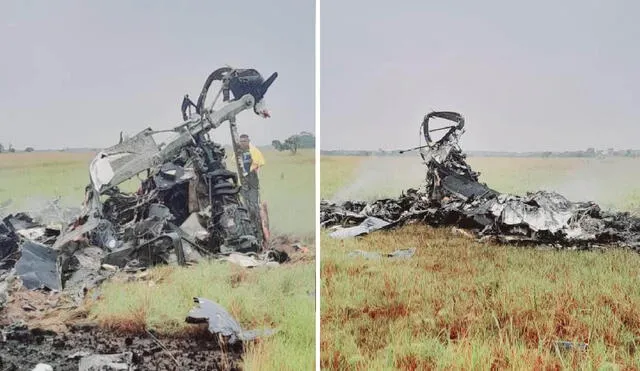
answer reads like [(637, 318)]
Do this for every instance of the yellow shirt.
[(256, 157)]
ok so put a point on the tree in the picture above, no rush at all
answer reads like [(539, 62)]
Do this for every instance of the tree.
[(290, 144), (29, 149), (277, 145), (11, 149), (1, 148), (296, 141), (306, 140), (293, 144)]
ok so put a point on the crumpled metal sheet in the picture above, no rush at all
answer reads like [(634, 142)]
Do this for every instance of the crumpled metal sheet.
[(38, 267), (8, 248), (540, 211), (122, 161), (20, 221), (221, 322), (81, 272), (192, 227), (171, 174), (368, 225), (32, 233), (76, 233), (149, 253)]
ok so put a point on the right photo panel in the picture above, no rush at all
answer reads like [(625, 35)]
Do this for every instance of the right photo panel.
[(480, 187)]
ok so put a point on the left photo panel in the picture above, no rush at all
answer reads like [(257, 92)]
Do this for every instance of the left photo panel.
[(157, 185)]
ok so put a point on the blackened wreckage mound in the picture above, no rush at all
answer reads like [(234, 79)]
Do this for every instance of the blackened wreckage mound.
[(454, 196)]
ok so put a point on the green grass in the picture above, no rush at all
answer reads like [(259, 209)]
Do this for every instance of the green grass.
[(459, 304), (260, 298), (288, 185), (29, 177), (272, 298)]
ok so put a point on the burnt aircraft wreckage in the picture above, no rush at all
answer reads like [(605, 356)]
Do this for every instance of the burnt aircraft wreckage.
[(188, 204), (454, 196)]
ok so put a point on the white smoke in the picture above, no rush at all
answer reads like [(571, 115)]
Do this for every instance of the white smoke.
[(380, 177)]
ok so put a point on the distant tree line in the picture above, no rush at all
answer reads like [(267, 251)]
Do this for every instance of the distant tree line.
[(588, 153), (10, 148), (358, 153)]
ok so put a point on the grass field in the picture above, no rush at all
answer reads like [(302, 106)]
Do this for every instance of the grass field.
[(459, 304), (287, 184), (275, 298)]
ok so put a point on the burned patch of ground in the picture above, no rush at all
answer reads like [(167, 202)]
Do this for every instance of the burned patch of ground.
[(197, 350)]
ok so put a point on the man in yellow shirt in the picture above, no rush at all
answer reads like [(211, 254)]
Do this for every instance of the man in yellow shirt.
[(252, 161)]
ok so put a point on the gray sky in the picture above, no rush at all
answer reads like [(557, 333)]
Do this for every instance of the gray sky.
[(537, 75), (75, 73)]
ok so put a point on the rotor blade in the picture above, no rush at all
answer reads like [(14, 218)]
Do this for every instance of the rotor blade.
[(443, 128)]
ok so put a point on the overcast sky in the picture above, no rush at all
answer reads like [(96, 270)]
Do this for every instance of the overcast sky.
[(537, 75), (75, 73)]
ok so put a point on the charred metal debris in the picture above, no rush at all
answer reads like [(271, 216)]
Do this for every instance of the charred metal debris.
[(188, 204), (222, 323), (454, 196)]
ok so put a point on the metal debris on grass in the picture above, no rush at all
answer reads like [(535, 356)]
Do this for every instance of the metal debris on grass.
[(222, 323), (398, 254)]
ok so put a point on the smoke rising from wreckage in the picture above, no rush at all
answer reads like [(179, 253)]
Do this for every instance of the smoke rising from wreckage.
[(454, 196), (188, 206)]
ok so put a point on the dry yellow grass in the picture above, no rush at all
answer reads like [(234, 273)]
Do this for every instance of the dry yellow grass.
[(461, 305)]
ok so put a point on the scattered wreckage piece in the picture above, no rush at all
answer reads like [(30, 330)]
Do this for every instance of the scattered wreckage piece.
[(398, 254), (95, 362), (42, 367), (570, 345), (252, 260), (368, 225), (9, 246), (38, 267), (222, 323), (454, 196)]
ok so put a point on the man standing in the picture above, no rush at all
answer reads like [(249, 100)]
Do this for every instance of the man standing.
[(252, 158), (252, 161)]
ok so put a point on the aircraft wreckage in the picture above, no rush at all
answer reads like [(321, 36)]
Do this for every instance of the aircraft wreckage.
[(188, 204), (454, 196)]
